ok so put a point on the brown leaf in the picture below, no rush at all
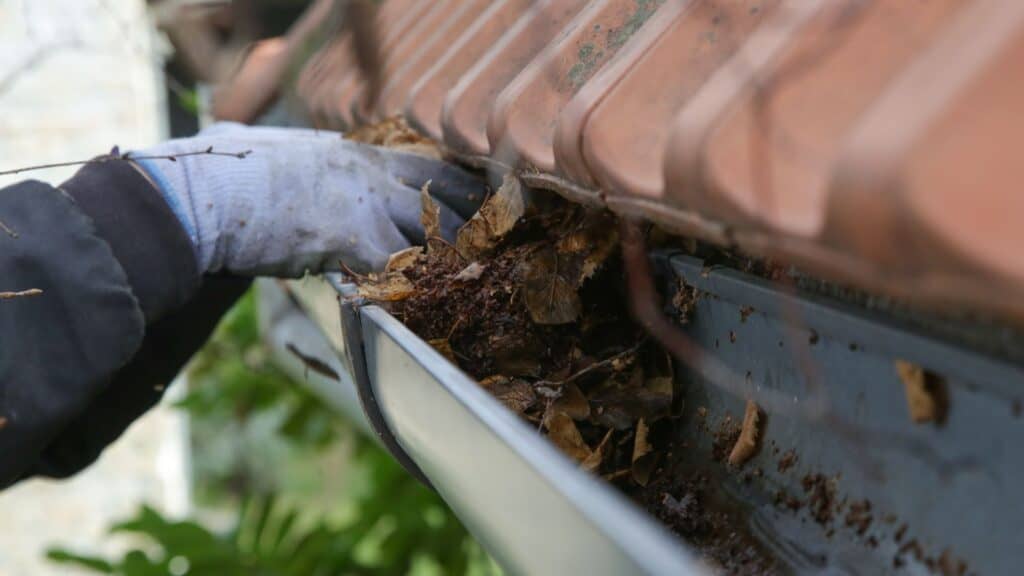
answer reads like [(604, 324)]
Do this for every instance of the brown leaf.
[(391, 288), (563, 432), (926, 399), (590, 244), (428, 149), (660, 374), (515, 355), (395, 133), (403, 259), (495, 218), (517, 395), (641, 447), (471, 272), (572, 402), (430, 217), (443, 346), (750, 434), (619, 408), (593, 462), (550, 297), (430, 213), (642, 462)]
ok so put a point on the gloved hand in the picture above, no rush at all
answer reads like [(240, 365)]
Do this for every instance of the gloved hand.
[(302, 200)]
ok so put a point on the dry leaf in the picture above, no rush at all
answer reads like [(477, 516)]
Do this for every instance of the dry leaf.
[(428, 149), (491, 383), (925, 396), (550, 297), (403, 259), (572, 402), (643, 457), (661, 377), (590, 244), (430, 218), (640, 445), (515, 355), (620, 408), (430, 213), (391, 288), (443, 346), (396, 134), (471, 272), (517, 395), (750, 434), (495, 218), (596, 458), (563, 432)]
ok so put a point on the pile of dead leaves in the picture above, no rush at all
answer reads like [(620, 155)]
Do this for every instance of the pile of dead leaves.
[(529, 301), (395, 133)]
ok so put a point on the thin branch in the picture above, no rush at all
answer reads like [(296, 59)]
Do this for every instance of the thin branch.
[(128, 157), (7, 230), (595, 366), (22, 294), (814, 407)]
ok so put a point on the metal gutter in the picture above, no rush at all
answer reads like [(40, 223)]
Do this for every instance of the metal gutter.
[(901, 495), (937, 492), (532, 508)]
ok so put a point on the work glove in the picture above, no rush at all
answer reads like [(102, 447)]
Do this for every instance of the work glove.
[(261, 201)]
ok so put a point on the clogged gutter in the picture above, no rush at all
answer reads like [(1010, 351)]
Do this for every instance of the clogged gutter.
[(531, 302)]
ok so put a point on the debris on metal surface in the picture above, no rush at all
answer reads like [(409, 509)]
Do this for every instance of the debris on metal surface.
[(925, 397), (750, 433), (541, 324)]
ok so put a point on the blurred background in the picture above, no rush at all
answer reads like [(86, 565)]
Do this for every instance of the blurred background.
[(239, 466)]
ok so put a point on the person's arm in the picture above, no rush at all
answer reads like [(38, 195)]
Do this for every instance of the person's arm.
[(107, 253), (136, 261)]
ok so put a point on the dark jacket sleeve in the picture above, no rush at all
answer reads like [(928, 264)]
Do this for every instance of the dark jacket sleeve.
[(122, 309)]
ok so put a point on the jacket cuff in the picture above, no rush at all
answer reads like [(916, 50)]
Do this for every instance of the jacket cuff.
[(145, 236)]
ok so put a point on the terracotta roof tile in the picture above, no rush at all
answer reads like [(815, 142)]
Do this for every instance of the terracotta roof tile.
[(526, 112), (423, 109), (868, 141), (771, 124), (616, 128), (401, 40), (468, 104), (432, 47)]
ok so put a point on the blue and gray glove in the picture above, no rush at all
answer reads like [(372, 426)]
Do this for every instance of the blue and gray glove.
[(301, 200)]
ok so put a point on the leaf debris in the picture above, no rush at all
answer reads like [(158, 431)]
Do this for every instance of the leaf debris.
[(925, 395), (750, 434)]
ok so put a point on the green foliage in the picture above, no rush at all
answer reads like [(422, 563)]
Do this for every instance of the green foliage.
[(392, 525), (189, 101), (399, 524), (233, 379)]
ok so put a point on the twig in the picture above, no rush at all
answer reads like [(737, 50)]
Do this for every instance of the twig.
[(22, 294), (7, 230), (357, 278), (595, 366), (128, 157), (646, 308), (814, 408)]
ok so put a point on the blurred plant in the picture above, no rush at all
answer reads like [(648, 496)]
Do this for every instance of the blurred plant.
[(392, 524)]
